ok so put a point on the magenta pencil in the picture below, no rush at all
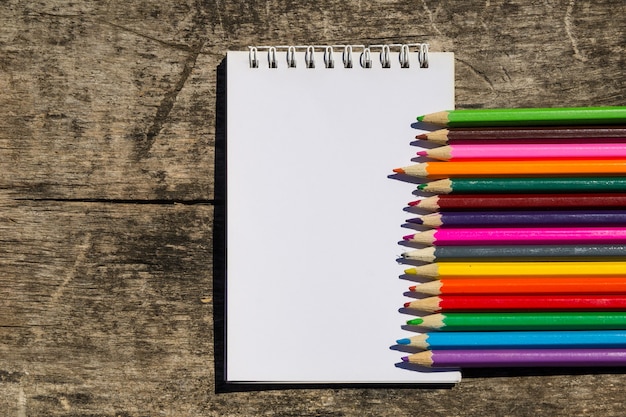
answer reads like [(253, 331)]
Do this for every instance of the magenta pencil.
[(519, 236), (527, 151)]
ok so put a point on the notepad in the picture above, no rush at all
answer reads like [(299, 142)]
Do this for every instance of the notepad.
[(313, 217)]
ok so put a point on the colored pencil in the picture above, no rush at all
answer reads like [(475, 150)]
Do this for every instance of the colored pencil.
[(523, 218), (567, 339), (520, 269), (527, 116), (537, 320), (526, 285), (516, 252), (460, 152), (519, 236), (520, 201), (485, 358), (519, 168), (525, 185), (519, 302), (586, 133)]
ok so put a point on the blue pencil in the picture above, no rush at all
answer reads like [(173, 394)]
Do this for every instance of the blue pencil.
[(521, 339)]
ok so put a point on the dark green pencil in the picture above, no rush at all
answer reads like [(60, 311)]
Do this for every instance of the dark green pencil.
[(526, 185), (522, 321)]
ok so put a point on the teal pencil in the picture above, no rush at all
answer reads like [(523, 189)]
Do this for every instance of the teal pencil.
[(488, 185)]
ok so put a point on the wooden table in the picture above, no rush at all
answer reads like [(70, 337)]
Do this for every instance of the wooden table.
[(109, 305)]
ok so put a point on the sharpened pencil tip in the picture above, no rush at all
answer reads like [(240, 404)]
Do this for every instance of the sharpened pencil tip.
[(416, 220), (407, 304), (423, 136), (422, 187), (405, 359), (411, 271), (422, 153), (398, 170), (415, 322), (408, 237), (420, 118), (404, 341), (412, 288), (414, 203)]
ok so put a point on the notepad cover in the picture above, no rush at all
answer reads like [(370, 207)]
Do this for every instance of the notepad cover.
[(313, 219)]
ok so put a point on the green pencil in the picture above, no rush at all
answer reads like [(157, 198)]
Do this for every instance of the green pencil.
[(527, 116), (522, 321), (526, 185)]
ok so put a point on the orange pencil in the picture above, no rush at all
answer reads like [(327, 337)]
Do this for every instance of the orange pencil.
[(515, 168), (534, 285)]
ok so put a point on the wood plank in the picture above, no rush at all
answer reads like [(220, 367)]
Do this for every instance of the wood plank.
[(95, 294), (92, 109)]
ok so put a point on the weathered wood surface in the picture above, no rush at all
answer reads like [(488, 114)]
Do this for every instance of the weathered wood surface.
[(107, 202)]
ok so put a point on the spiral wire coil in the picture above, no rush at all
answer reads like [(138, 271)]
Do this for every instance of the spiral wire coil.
[(348, 52)]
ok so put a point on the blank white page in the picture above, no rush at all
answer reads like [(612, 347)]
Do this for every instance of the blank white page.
[(314, 221)]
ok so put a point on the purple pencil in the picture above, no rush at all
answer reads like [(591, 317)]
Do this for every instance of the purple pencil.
[(493, 358), (523, 218)]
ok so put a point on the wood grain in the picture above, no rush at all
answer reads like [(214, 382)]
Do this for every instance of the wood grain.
[(111, 207)]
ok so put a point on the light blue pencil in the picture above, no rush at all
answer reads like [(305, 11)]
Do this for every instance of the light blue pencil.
[(521, 339)]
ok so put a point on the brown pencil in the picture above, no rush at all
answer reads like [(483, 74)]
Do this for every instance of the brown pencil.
[(593, 133)]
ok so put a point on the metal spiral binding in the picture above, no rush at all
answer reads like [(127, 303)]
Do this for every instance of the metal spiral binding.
[(365, 56)]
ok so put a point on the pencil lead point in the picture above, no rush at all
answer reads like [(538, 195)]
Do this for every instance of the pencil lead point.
[(423, 136), (411, 271), (422, 153), (420, 118), (415, 322), (412, 288), (422, 186), (407, 304), (405, 359), (398, 170), (416, 220), (404, 341), (408, 237), (414, 203)]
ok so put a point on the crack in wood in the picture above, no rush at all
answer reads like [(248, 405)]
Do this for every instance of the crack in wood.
[(126, 201), (169, 99)]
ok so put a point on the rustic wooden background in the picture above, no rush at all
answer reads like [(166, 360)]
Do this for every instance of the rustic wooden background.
[(108, 301)]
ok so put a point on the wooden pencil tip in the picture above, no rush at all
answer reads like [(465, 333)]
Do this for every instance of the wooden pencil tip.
[(398, 170)]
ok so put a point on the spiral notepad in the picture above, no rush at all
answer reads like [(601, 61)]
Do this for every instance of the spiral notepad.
[(313, 219)]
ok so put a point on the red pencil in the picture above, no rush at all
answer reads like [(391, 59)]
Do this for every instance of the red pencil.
[(450, 303), (521, 201)]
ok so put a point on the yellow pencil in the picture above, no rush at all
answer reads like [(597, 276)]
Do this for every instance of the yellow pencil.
[(519, 269)]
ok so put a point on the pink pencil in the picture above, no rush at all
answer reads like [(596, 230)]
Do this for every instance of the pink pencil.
[(519, 236), (527, 151)]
